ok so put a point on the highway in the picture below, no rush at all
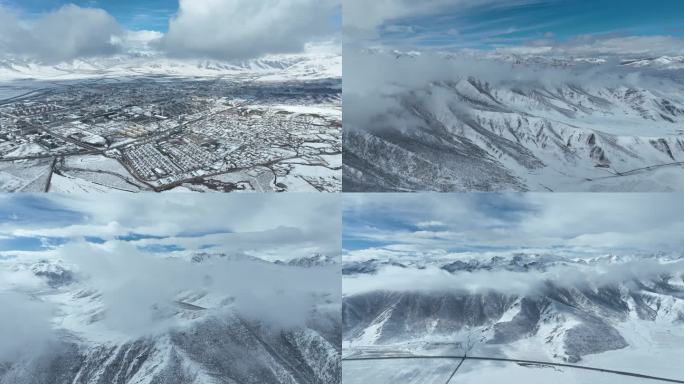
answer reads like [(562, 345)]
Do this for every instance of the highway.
[(517, 361)]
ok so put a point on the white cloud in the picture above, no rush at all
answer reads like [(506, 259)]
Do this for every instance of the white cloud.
[(430, 224), (107, 230), (68, 33), (601, 45), (142, 41), (239, 29)]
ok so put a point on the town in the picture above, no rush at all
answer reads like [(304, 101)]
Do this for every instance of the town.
[(160, 134)]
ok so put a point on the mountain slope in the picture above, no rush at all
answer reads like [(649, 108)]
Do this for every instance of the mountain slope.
[(468, 133), (291, 67), (552, 320), (201, 337)]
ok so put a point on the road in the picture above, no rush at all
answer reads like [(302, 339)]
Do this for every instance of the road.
[(456, 370), (639, 170), (517, 361), (49, 179)]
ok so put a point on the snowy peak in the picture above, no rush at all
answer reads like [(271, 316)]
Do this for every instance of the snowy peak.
[(511, 262), (665, 62), (304, 66), (317, 260)]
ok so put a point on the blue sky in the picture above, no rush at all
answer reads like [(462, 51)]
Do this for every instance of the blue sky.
[(517, 22), (485, 222), (27, 209), (30, 211), (133, 14), (52, 31), (23, 210), (281, 226), (399, 215)]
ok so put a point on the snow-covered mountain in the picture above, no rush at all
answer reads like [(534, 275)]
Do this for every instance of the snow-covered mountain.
[(666, 62), (226, 350), (523, 261), (200, 337), (281, 67), (311, 261), (517, 123), (570, 316)]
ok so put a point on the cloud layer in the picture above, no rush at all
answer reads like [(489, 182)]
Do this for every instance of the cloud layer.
[(432, 279)]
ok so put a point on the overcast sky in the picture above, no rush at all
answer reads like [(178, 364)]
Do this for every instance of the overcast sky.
[(559, 26), (52, 31), (481, 222)]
